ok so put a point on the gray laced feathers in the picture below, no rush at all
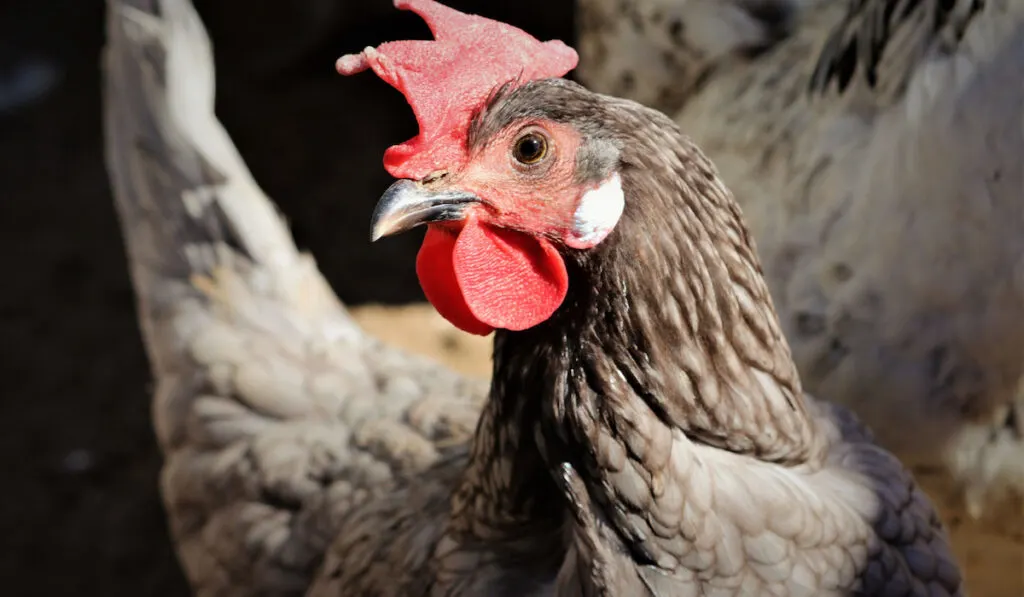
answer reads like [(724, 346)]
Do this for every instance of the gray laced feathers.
[(875, 149), (882, 43), (671, 413), (283, 426), (658, 52)]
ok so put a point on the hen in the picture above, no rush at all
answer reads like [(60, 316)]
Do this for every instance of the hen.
[(645, 431), (875, 146)]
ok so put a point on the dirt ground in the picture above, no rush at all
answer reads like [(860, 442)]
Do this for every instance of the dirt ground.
[(79, 508)]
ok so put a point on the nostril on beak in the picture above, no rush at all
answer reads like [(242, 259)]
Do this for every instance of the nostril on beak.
[(434, 176)]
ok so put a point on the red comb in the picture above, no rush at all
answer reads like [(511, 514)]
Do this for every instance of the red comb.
[(446, 80)]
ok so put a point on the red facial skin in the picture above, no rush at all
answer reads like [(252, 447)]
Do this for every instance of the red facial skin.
[(499, 268), (539, 199)]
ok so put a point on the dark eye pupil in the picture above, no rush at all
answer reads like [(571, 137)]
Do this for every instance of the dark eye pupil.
[(530, 149)]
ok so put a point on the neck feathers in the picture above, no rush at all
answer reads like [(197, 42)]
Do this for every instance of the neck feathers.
[(670, 317), (667, 328)]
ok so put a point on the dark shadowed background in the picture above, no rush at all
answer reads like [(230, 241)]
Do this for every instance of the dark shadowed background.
[(79, 509)]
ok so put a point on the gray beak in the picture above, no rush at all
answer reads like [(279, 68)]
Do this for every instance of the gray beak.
[(407, 204)]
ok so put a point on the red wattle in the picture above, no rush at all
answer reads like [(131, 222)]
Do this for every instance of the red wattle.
[(510, 280), (435, 267), (487, 278)]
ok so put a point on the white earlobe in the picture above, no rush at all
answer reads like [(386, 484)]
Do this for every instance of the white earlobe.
[(597, 214)]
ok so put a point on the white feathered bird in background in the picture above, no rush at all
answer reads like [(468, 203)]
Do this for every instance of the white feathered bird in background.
[(877, 149), (277, 416)]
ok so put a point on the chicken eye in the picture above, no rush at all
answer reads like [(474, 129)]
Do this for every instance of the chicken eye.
[(530, 149)]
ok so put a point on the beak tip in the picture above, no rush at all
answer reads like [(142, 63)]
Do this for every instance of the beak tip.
[(406, 205), (381, 227)]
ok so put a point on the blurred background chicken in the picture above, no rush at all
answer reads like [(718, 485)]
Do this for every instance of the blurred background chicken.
[(80, 454)]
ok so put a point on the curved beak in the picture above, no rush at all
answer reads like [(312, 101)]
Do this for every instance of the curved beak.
[(407, 204)]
